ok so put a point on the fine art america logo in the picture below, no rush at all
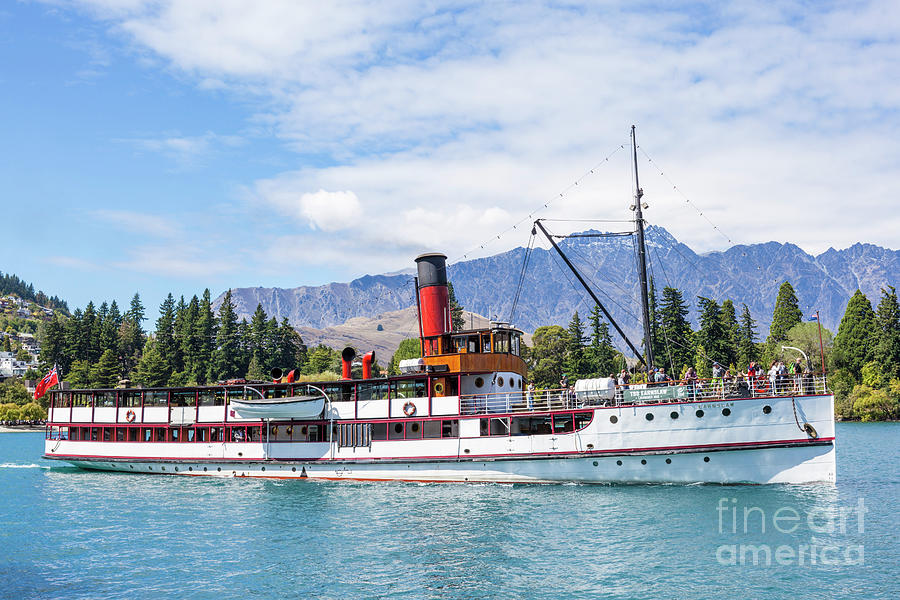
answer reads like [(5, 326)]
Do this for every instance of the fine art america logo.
[(819, 536)]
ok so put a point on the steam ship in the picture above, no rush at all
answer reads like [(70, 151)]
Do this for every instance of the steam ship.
[(461, 413)]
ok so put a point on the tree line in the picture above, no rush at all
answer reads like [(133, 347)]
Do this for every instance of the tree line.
[(191, 344), (11, 284)]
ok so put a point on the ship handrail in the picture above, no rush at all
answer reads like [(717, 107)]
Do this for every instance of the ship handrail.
[(677, 391)]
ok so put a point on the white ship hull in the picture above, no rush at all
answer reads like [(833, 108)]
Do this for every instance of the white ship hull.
[(746, 445)]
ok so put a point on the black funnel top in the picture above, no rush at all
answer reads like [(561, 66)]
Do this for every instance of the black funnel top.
[(432, 269)]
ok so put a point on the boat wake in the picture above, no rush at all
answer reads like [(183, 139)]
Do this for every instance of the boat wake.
[(17, 466)]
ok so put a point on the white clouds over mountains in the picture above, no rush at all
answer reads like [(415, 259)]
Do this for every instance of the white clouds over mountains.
[(441, 124)]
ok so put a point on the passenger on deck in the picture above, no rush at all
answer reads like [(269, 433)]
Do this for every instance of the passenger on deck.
[(690, 377), (530, 395)]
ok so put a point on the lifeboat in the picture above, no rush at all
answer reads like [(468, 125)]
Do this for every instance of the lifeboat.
[(295, 407)]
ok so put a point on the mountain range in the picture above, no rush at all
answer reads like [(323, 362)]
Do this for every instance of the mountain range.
[(748, 274)]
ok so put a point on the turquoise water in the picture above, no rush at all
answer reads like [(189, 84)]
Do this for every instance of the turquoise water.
[(67, 533)]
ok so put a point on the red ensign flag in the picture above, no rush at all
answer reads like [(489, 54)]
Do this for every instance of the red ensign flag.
[(49, 380)]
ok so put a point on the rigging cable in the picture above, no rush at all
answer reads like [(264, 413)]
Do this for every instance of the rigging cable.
[(528, 249), (545, 205)]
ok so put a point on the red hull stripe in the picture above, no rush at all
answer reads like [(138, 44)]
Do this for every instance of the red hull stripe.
[(467, 457)]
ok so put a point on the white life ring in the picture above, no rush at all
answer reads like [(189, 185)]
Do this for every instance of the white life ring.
[(409, 409)]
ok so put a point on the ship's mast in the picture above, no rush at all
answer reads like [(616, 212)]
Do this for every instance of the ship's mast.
[(642, 255)]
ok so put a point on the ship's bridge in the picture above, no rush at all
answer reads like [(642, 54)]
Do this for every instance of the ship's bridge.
[(490, 350)]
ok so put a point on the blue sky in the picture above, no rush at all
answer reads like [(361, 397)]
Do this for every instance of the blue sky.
[(155, 146)]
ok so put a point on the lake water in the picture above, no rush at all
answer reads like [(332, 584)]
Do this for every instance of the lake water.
[(67, 533)]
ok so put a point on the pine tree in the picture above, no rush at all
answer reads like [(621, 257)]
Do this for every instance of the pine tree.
[(165, 332), (109, 329), (787, 313), (577, 363), (246, 345), (746, 343), (258, 336), (227, 356), (601, 352), (887, 333), (74, 337), (676, 331), (457, 320), (255, 371), (853, 345), (152, 370), (712, 336), (105, 372), (79, 376), (204, 334), (730, 325), (659, 348), (53, 344), (290, 349), (91, 331), (190, 347)]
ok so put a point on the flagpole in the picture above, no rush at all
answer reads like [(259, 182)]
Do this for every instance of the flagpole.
[(821, 345)]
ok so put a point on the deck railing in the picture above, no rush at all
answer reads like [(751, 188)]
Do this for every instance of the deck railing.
[(641, 394)]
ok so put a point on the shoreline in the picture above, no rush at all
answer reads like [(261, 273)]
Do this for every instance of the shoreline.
[(20, 428)]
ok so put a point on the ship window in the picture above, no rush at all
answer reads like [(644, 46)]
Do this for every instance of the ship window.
[(81, 399), (206, 397), (479, 382), (450, 428), (411, 388), (105, 399), (216, 434), (202, 434), (133, 434), (277, 392), (130, 399), (582, 420), (107, 434), (767, 409), (156, 398), (726, 411), (472, 343), (497, 426), (699, 413), (120, 434), (174, 434), (486, 342), (254, 434), (459, 343), (147, 434), (379, 431), (337, 392), (413, 430), (184, 398), (501, 341), (160, 434), (191, 434), (432, 429), (563, 423), (220, 397), (379, 390), (516, 340), (396, 431), (531, 425)]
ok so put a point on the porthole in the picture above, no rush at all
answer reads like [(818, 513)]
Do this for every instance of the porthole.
[(596, 464), (190, 468), (643, 461), (674, 414), (293, 468), (668, 461), (219, 469), (415, 428), (649, 416), (204, 468), (726, 412), (699, 414), (263, 468), (614, 419), (466, 450), (479, 382), (705, 459), (303, 430), (499, 382), (767, 409), (176, 469), (619, 462), (398, 427)]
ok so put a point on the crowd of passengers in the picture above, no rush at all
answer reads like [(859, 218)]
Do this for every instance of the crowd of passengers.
[(783, 378)]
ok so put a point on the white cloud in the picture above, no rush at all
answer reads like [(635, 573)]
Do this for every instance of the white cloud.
[(450, 121), (138, 222), (186, 151)]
